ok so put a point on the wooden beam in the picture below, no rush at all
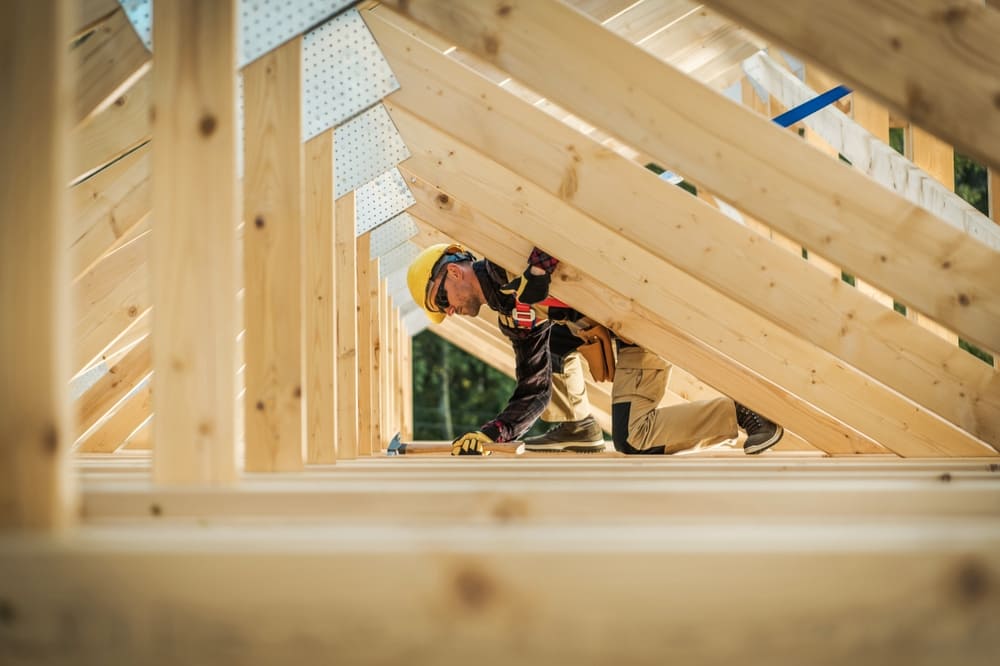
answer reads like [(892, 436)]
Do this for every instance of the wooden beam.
[(406, 386), (345, 269), (687, 127), (105, 208), (994, 194), (133, 369), (628, 268), (125, 420), (90, 14), (113, 132), (272, 259), (473, 228), (36, 490), (929, 184), (322, 417), (937, 62), (108, 62), (366, 354), (379, 438), (109, 299), (385, 367), (757, 274), (868, 585), (194, 253)]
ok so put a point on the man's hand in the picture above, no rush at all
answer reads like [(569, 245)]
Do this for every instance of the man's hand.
[(471, 444)]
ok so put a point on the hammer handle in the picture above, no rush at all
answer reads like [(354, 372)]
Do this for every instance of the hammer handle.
[(497, 448)]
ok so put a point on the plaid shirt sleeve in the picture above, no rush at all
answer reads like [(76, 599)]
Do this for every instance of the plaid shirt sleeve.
[(543, 260)]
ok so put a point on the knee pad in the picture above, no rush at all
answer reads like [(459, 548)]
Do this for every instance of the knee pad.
[(620, 413)]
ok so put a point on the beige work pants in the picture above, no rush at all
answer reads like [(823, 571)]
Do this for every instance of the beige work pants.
[(641, 380), (569, 392)]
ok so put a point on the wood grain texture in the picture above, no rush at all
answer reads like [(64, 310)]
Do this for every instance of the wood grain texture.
[(36, 488), (114, 131), (272, 260), (107, 63), (193, 255), (366, 353), (697, 239), (893, 244), (939, 59), (346, 367), (322, 418), (444, 161), (106, 207)]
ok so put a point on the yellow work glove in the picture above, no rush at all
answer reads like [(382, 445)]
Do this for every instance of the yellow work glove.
[(471, 444)]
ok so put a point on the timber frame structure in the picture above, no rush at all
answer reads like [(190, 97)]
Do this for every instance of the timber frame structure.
[(241, 250)]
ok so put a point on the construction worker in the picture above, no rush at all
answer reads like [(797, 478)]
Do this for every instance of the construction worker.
[(447, 280)]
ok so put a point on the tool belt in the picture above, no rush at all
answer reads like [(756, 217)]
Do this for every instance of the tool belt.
[(599, 351)]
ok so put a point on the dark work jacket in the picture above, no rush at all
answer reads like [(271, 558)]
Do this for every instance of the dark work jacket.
[(537, 351)]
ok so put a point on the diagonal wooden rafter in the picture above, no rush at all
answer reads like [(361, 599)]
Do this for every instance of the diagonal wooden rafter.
[(691, 235), (636, 317), (106, 209), (113, 132), (934, 62), (872, 155), (679, 302), (108, 62), (682, 386), (110, 298), (111, 389), (893, 244)]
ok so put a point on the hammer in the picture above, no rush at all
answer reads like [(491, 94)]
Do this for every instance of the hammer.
[(399, 448)]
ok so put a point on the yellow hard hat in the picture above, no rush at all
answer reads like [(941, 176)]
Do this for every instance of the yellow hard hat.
[(425, 267)]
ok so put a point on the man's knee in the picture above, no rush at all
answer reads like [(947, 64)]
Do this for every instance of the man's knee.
[(620, 414)]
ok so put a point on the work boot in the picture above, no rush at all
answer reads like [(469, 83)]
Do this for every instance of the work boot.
[(762, 433), (583, 436)]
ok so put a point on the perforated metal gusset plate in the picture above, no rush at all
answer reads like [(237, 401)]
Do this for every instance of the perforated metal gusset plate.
[(397, 259), (415, 322), (395, 232), (381, 200), (140, 15), (263, 24), (366, 147), (343, 71), (266, 24)]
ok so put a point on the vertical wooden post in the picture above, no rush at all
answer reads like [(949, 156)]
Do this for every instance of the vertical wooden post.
[(937, 158), (366, 357), (385, 344), (400, 337), (874, 118), (320, 301), (272, 88), (378, 356), (994, 195), (193, 254), (35, 429), (407, 385), (345, 259)]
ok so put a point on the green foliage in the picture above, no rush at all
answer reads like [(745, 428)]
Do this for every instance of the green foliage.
[(896, 139), (453, 392), (970, 183), (984, 356)]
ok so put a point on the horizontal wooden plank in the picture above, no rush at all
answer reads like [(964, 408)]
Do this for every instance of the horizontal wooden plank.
[(912, 593)]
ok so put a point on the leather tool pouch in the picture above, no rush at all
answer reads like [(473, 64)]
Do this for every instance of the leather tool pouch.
[(599, 351)]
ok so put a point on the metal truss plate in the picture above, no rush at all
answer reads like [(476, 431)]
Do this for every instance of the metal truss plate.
[(381, 200), (395, 232), (263, 24), (344, 73), (364, 148), (397, 260)]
